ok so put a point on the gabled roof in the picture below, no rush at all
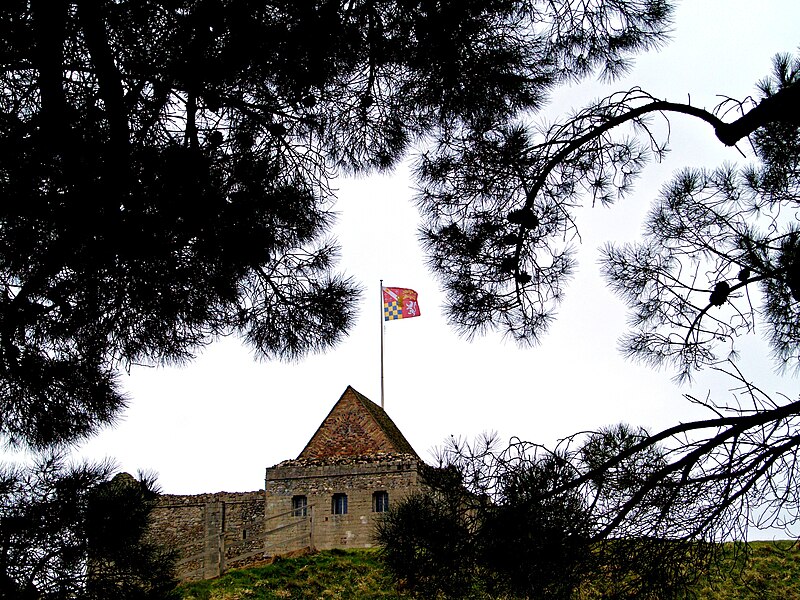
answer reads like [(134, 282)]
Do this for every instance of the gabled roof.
[(356, 427)]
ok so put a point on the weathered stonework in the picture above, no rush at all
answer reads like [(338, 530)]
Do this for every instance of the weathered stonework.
[(212, 532), (357, 478), (356, 465)]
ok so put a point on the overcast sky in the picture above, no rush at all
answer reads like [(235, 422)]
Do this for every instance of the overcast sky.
[(216, 424)]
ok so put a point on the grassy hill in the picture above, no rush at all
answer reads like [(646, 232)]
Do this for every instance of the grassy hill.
[(330, 574), (772, 573)]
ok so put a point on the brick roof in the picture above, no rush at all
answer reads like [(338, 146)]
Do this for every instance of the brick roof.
[(356, 427)]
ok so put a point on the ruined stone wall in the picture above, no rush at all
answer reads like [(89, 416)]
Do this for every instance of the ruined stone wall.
[(216, 532), (211, 532), (320, 528)]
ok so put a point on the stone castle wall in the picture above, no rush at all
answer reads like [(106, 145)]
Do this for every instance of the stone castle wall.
[(357, 453), (216, 532), (318, 526), (211, 532)]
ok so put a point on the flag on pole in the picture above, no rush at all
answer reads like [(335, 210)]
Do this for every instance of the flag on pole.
[(399, 303)]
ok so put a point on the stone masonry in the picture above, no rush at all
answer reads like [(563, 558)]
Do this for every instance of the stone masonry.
[(359, 480), (211, 532), (353, 469)]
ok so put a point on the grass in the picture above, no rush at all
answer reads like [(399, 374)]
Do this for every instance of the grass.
[(329, 575), (772, 572)]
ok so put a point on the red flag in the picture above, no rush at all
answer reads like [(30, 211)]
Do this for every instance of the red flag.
[(399, 303)]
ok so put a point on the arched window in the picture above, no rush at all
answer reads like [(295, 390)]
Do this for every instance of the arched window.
[(339, 504), (380, 501)]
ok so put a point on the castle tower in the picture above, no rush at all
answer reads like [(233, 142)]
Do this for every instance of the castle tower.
[(352, 469)]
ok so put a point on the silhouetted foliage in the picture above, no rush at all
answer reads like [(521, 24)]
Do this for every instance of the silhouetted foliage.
[(501, 207), (638, 514), (534, 542), (166, 167), (428, 546), (717, 262), (166, 171), (527, 522), (75, 533)]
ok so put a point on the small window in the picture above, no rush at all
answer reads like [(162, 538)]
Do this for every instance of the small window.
[(299, 506), (339, 504), (380, 502)]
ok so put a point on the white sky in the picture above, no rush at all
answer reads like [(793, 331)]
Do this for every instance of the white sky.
[(217, 424)]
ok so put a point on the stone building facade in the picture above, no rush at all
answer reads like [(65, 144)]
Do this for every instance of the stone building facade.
[(353, 469)]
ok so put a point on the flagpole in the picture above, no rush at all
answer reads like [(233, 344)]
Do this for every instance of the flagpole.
[(381, 343)]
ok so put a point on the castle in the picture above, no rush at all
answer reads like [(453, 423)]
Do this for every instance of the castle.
[(353, 468)]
